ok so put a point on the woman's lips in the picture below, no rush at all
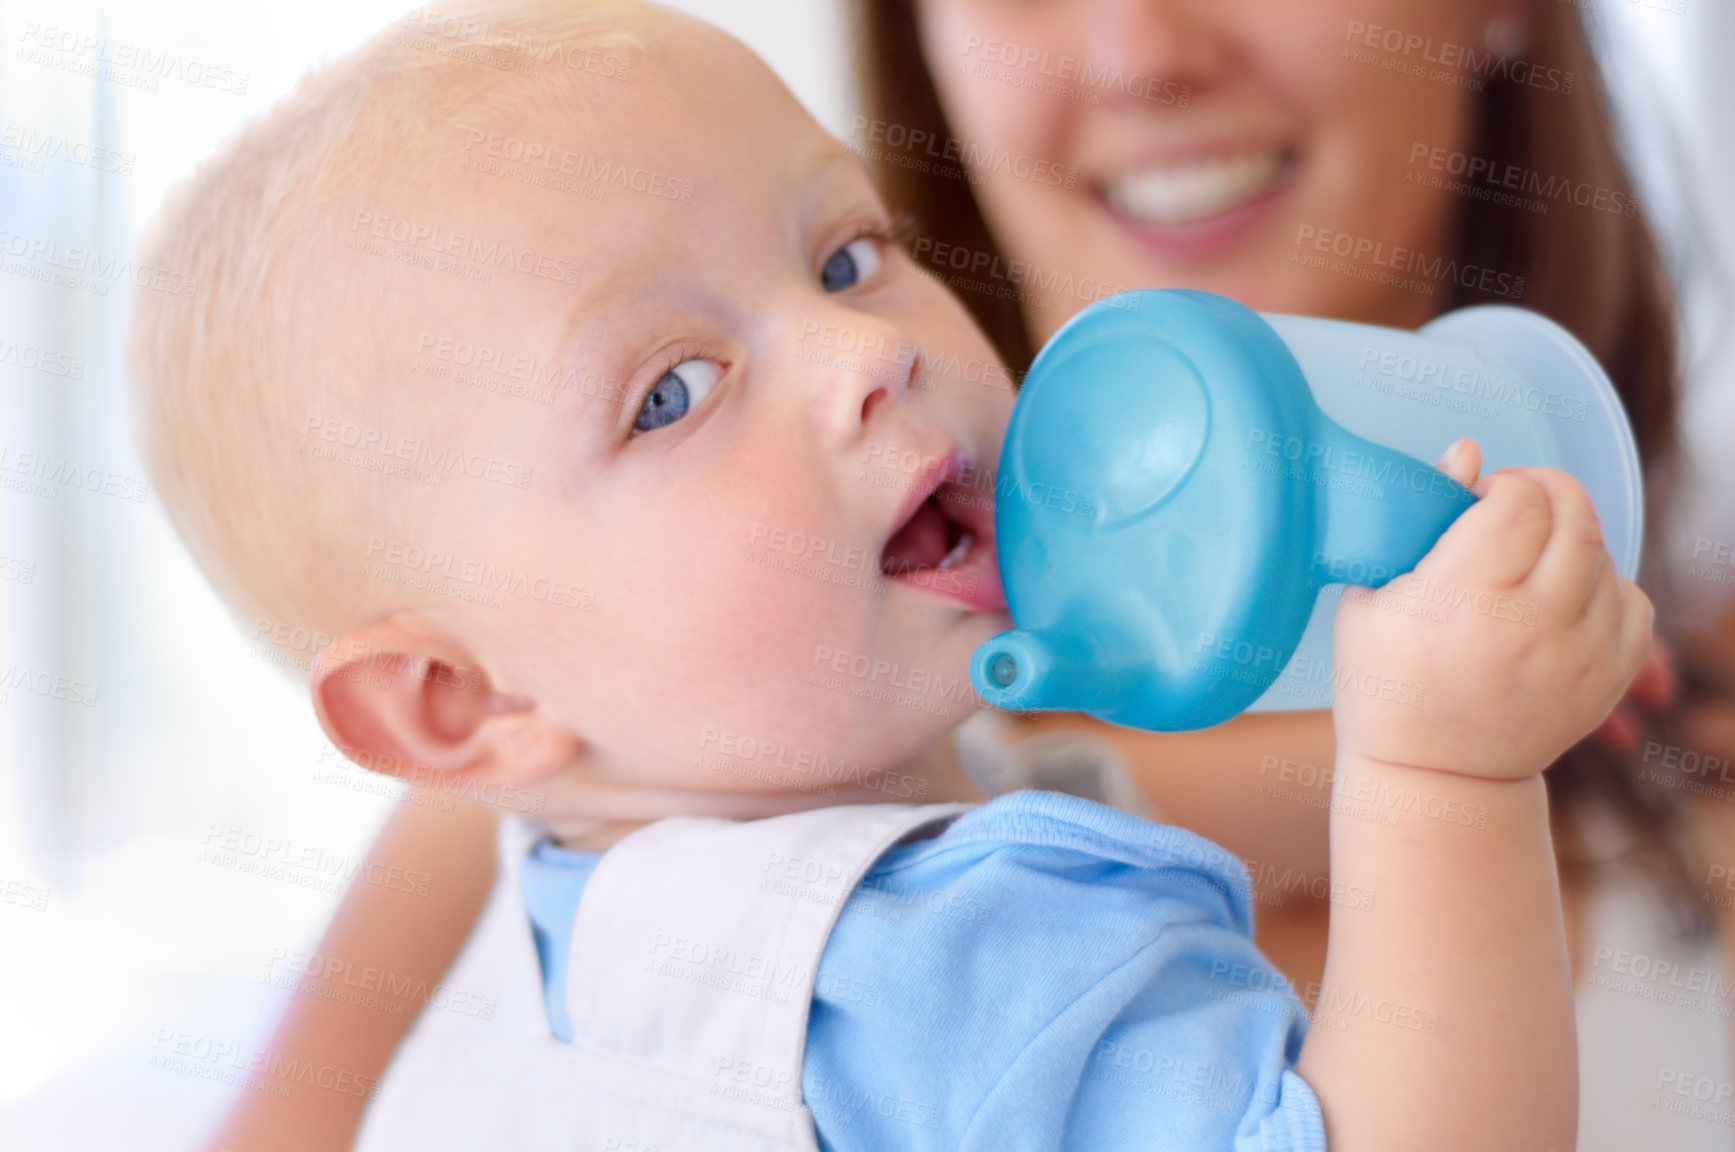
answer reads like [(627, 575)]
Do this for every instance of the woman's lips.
[(1200, 206), (1196, 189)]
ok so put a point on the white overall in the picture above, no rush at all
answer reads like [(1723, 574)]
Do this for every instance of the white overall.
[(694, 956)]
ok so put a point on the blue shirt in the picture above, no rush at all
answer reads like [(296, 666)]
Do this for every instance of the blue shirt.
[(1047, 973)]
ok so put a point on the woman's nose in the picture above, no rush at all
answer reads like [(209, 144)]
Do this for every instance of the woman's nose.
[(1162, 41)]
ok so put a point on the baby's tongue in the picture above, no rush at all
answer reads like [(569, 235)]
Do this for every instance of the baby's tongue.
[(922, 543)]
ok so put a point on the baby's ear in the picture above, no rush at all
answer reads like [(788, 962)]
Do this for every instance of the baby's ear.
[(397, 697)]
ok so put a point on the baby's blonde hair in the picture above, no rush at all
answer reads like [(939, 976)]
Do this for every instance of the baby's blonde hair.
[(225, 378)]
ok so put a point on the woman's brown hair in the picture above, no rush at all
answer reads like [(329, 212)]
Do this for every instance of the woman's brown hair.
[(1600, 274)]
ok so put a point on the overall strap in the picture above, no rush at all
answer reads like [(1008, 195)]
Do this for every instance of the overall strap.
[(694, 957), (480, 1069)]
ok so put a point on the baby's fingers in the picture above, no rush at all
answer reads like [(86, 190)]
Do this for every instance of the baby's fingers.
[(1637, 615), (1616, 631), (1462, 461), (1571, 566), (1502, 535)]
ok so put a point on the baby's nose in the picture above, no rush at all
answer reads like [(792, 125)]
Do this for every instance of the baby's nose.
[(912, 380), (849, 377)]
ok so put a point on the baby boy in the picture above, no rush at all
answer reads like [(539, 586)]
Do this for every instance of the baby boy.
[(515, 370)]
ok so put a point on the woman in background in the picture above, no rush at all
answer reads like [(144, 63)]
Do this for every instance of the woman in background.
[(1381, 161)]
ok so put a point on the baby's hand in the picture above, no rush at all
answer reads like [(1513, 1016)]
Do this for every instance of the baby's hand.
[(1512, 639)]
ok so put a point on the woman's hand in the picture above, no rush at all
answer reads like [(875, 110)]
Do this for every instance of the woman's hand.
[(1707, 724), (1712, 653)]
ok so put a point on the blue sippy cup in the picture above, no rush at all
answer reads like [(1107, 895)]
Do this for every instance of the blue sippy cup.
[(1182, 477)]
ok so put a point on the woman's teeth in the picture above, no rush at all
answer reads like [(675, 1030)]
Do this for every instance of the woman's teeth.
[(1195, 189)]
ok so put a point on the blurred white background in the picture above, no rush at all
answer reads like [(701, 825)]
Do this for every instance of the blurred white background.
[(105, 807), (167, 729)]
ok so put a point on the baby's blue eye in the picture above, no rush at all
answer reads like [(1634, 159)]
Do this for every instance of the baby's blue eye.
[(680, 390), (850, 265)]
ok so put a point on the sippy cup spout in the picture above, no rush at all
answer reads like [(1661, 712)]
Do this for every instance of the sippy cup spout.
[(1041, 669)]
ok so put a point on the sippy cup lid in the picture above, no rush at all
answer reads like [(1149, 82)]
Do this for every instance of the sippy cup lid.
[(1173, 497)]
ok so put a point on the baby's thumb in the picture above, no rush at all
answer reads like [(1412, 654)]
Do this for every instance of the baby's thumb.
[(1462, 461)]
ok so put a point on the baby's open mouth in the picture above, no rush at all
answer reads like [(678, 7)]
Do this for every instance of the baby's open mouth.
[(946, 544), (931, 539)]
